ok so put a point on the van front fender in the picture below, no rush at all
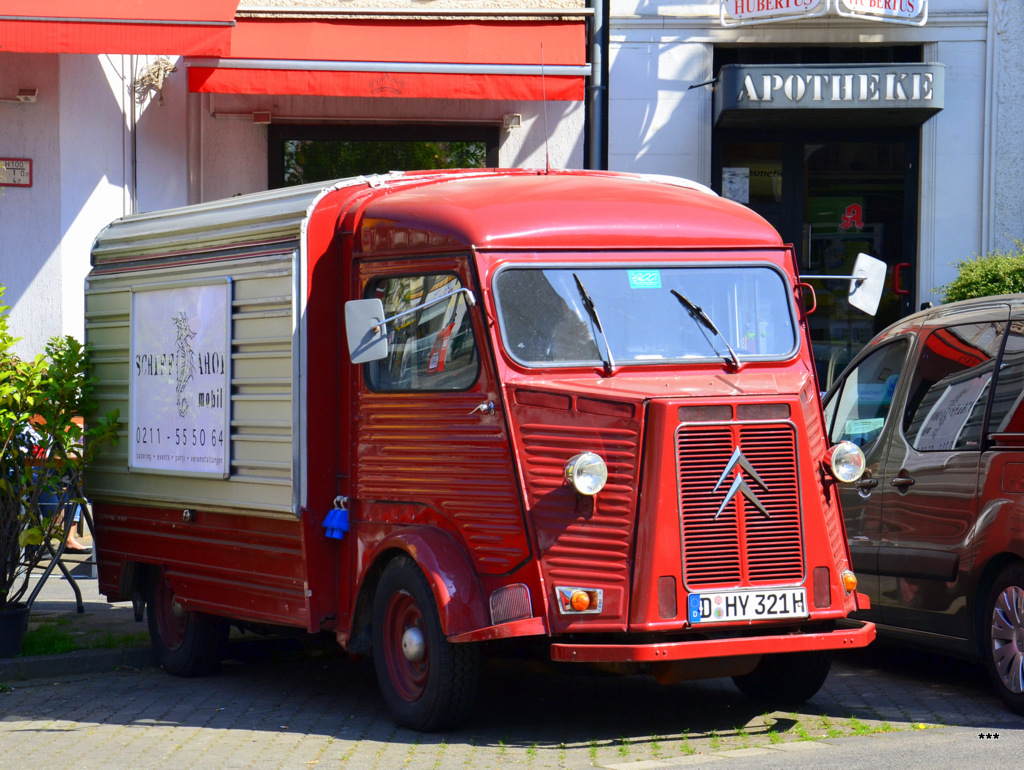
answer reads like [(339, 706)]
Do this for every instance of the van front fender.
[(461, 601)]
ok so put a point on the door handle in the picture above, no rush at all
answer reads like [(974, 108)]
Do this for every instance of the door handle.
[(897, 279), (902, 482), (867, 484), (487, 407)]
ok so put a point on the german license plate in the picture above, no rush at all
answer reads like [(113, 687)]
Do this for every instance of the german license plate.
[(751, 604)]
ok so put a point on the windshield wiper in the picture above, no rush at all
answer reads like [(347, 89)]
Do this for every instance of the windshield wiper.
[(698, 314), (588, 303)]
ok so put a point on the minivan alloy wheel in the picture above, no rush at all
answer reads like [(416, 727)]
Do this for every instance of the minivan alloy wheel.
[(1004, 635), (1008, 637)]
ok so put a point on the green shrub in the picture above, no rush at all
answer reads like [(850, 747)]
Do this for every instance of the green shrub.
[(43, 450), (999, 272)]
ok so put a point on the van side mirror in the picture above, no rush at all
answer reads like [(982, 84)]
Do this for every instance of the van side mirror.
[(365, 325), (365, 329), (867, 284)]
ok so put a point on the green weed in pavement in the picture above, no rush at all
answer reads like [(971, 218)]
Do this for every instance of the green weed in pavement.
[(47, 640)]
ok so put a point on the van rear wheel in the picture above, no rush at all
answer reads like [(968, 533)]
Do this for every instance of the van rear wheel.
[(1004, 636), (184, 643), (427, 682), (786, 678)]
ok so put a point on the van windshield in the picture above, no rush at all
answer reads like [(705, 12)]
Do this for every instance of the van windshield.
[(556, 315)]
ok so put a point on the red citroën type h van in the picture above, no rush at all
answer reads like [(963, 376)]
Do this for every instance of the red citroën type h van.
[(427, 412)]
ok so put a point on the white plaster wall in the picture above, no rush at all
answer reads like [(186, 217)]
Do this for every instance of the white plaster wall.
[(161, 144), (230, 151), (95, 170), (1008, 147), (30, 217), (657, 123), (957, 189)]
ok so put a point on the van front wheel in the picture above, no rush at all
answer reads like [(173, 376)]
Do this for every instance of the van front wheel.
[(787, 678), (427, 682), (184, 643)]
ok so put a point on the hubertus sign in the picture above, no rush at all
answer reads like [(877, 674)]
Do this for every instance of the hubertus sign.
[(917, 90), (739, 12)]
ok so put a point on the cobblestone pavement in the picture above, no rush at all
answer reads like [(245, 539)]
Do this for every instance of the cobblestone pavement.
[(288, 709)]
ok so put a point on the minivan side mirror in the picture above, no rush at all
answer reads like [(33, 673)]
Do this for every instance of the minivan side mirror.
[(365, 329)]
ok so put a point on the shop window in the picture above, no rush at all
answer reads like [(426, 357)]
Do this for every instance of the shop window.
[(429, 349), (305, 154)]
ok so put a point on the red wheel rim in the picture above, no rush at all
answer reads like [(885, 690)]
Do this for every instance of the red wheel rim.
[(408, 677), (172, 625)]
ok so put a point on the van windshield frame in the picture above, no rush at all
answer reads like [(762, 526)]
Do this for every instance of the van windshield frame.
[(544, 321)]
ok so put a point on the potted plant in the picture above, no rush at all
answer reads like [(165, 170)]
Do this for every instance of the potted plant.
[(43, 451)]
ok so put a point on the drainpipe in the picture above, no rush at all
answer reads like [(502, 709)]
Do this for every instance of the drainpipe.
[(596, 120)]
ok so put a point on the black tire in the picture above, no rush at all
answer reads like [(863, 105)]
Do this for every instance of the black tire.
[(1003, 636), (184, 643), (787, 678), (434, 686)]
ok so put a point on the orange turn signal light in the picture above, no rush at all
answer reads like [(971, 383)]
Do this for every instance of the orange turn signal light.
[(579, 601), (849, 581)]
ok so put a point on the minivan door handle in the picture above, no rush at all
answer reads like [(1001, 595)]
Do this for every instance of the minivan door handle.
[(867, 484), (902, 483)]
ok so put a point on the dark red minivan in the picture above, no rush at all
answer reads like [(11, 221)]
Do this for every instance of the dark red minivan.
[(936, 523)]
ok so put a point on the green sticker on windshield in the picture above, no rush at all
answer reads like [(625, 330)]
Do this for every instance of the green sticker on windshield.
[(644, 279)]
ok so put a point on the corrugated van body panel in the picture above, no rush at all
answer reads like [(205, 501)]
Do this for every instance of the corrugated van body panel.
[(264, 461)]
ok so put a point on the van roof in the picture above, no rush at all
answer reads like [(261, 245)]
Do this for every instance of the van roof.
[(432, 210)]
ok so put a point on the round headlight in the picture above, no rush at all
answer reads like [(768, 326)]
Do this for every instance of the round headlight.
[(846, 461), (587, 472)]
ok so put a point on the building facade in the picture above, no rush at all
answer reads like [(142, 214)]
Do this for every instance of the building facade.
[(175, 103), (893, 132), (896, 136)]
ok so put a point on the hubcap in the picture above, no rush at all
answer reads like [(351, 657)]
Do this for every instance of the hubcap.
[(1008, 638), (172, 618), (405, 647), (413, 646)]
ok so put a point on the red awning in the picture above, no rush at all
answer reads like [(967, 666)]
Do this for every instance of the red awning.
[(524, 60), (171, 27)]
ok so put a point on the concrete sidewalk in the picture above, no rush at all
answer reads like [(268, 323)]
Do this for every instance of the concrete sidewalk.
[(107, 635)]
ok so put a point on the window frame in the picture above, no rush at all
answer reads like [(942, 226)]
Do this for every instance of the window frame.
[(645, 260), (370, 370)]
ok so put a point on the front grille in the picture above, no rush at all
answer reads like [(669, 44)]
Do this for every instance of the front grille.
[(737, 544)]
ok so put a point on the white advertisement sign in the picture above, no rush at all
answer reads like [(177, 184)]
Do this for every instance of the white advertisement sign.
[(753, 11), (734, 13), (887, 9), (181, 379)]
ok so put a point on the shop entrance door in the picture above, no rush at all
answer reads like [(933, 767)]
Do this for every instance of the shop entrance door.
[(833, 194)]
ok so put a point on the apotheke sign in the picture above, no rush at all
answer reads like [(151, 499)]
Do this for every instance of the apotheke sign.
[(908, 88), (733, 13)]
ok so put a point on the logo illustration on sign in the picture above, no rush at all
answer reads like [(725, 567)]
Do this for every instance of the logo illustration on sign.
[(739, 484), (186, 360), (854, 217)]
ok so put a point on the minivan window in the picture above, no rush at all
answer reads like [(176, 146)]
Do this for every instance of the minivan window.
[(549, 315), (433, 349), (949, 393), (1007, 415), (857, 413)]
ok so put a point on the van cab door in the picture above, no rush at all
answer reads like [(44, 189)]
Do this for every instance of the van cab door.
[(431, 443), (928, 480)]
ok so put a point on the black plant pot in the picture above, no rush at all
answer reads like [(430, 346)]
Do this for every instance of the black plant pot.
[(13, 623)]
